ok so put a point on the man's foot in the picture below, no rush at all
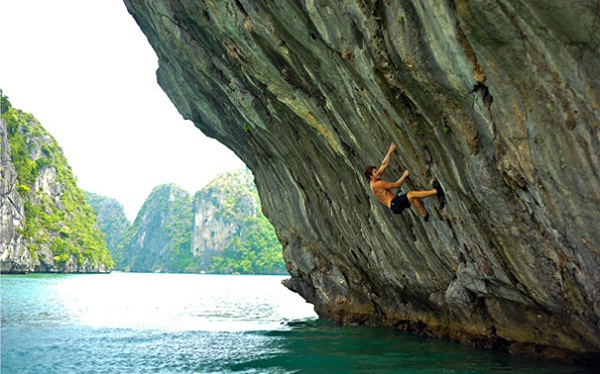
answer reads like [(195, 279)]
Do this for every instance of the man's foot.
[(440, 193), (438, 188)]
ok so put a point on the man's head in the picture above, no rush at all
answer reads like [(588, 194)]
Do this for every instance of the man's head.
[(369, 171)]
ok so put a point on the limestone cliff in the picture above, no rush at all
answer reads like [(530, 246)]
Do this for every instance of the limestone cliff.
[(498, 100), (159, 238), (220, 230), (14, 255), (215, 222), (230, 233), (45, 223), (111, 218)]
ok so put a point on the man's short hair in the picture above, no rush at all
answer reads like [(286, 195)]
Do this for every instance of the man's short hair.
[(369, 171)]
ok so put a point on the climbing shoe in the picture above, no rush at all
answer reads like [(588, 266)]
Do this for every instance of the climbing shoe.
[(438, 188), (440, 193)]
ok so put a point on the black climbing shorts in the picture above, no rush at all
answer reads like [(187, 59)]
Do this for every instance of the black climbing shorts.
[(399, 203)]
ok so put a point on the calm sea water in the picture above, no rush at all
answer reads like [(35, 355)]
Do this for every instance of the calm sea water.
[(176, 323)]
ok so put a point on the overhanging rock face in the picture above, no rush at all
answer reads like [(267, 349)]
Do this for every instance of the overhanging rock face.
[(498, 100)]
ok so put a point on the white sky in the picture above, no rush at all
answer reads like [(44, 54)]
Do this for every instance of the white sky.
[(85, 70)]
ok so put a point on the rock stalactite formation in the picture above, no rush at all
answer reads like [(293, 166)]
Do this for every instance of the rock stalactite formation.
[(498, 100)]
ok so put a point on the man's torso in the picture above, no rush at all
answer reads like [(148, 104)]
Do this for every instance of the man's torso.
[(385, 196)]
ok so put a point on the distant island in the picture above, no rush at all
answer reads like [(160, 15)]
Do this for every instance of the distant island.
[(219, 230), (46, 223), (50, 225)]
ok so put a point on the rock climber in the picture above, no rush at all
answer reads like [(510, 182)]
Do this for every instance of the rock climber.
[(397, 203)]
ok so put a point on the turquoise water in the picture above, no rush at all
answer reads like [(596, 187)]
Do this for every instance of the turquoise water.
[(176, 323)]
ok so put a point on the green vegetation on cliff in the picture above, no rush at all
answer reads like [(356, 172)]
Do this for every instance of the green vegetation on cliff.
[(159, 239), (222, 230), (57, 216), (258, 253), (111, 218), (253, 247)]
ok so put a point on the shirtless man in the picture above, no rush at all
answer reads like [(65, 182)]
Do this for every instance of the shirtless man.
[(381, 188)]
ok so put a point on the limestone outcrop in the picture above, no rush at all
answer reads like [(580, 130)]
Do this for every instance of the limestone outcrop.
[(220, 229), (112, 220), (45, 224), (215, 220), (498, 100), (230, 232), (160, 235)]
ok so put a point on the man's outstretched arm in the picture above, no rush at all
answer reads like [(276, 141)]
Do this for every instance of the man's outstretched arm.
[(386, 159)]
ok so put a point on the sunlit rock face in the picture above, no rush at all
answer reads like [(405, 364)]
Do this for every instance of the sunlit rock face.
[(498, 100)]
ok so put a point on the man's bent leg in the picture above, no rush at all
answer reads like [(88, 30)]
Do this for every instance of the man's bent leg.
[(415, 195)]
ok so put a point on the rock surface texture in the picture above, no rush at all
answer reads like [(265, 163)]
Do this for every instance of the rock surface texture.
[(498, 100)]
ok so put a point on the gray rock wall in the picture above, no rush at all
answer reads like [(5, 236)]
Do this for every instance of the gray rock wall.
[(498, 100)]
